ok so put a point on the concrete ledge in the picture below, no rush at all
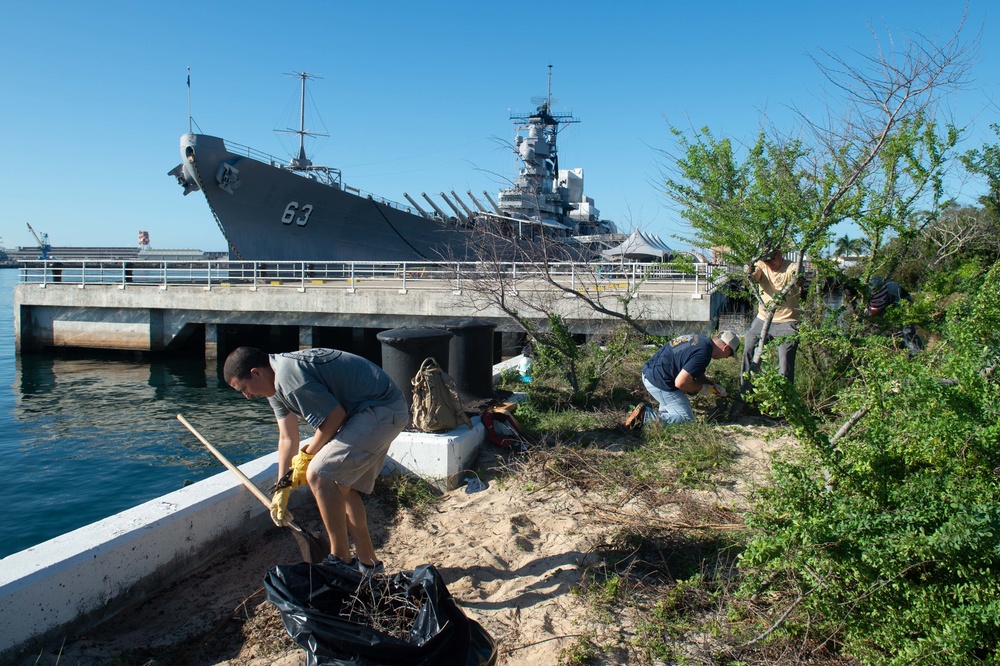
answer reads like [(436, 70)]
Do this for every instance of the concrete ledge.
[(512, 363), (437, 457), (86, 576)]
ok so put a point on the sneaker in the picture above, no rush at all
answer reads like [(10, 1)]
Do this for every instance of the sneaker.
[(344, 569), (368, 571), (636, 417)]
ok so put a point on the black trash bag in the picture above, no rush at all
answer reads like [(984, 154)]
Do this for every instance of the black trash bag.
[(320, 611)]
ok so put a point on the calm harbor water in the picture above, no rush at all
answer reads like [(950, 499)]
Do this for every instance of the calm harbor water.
[(86, 435)]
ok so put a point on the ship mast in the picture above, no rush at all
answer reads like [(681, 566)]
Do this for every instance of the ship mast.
[(548, 94), (537, 151), (302, 119), (301, 161)]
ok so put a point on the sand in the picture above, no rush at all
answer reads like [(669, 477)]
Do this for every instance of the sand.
[(511, 556)]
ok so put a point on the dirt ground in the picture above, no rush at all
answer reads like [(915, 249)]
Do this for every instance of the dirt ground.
[(511, 556)]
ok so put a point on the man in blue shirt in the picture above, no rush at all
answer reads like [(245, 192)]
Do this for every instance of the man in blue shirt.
[(678, 369)]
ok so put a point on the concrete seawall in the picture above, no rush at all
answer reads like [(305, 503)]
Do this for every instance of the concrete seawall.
[(86, 576)]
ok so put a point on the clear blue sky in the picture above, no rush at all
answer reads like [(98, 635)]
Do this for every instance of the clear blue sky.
[(416, 96)]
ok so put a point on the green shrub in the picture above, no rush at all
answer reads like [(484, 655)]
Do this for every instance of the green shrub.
[(581, 652), (510, 379), (580, 373), (823, 363), (888, 539)]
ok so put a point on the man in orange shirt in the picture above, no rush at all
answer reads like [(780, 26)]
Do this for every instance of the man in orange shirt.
[(773, 273)]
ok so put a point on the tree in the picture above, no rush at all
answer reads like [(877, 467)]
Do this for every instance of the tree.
[(537, 281), (876, 159), (986, 163), (882, 537), (963, 231), (845, 246)]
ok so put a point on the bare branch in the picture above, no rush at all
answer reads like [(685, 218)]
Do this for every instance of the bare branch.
[(850, 423)]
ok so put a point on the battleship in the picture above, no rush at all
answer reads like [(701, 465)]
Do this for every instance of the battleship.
[(294, 210)]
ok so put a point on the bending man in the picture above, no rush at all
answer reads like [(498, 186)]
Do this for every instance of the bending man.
[(357, 412), (677, 369)]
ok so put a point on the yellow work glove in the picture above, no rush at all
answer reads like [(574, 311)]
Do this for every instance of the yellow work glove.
[(713, 389), (279, 507), (300, 463)]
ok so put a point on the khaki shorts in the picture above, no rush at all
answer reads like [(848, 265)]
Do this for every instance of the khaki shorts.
[(354, 457)]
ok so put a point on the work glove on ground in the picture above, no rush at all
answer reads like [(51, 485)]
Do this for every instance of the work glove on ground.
[(713, 389), (300, 463), (279, 507)]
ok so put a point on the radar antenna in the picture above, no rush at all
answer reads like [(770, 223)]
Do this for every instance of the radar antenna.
[(548, 101), (543, 115)]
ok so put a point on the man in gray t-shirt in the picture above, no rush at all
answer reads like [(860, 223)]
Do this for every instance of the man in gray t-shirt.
[(357, 411)]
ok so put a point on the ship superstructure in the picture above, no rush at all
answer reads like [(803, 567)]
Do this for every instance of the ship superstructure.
[(269, 210)]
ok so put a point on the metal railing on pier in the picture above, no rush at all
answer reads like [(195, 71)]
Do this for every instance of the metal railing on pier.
[(402, 275)]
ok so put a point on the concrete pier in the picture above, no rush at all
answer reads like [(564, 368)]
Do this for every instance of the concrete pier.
[(156, 315)]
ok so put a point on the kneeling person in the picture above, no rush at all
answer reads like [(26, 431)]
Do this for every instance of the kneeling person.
[(678, 369), (357, 411)]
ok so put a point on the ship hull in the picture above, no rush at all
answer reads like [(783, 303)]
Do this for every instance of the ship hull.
[(268, 213)]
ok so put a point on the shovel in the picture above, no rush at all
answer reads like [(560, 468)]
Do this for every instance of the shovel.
[(313, 548)]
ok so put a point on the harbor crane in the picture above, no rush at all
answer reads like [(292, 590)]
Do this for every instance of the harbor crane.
[(43, 242)]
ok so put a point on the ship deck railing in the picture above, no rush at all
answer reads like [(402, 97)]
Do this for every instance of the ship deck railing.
[(334, 181), (352, 275)]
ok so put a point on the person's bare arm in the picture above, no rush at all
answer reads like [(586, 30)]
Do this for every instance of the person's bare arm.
[(288, 442), (686, 382), (327, 430)]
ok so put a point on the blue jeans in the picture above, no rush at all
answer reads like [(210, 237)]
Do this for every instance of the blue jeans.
[(675, 407)]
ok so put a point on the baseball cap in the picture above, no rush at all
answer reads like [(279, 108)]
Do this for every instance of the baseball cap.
[(731, 339)]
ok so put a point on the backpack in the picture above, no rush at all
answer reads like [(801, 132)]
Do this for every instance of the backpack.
[(436, 405), (503, 430)]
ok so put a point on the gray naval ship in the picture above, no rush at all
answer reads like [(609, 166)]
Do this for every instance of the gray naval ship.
[(269, 210)]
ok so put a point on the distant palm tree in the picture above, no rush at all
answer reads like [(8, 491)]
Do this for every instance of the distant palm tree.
[(846, 246)]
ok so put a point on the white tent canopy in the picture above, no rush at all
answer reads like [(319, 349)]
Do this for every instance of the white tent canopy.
[(640, 246)]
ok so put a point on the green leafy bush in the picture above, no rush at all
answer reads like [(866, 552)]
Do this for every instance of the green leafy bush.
[(888, 538), (569, 373)]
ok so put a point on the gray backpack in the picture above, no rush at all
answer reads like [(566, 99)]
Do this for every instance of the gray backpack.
[(436, 405)]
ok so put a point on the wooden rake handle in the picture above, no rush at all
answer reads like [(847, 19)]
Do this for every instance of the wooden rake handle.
[(250, 485), (312, 547)]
